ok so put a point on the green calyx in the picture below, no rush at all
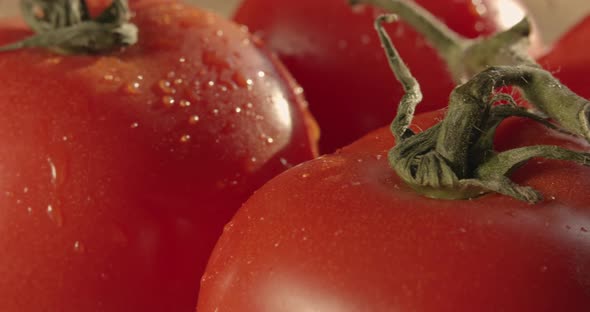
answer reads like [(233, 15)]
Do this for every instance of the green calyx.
[(464, 57), (455, 159), (66, 26)]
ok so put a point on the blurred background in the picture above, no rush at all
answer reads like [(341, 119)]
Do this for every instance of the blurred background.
[(553, 16)]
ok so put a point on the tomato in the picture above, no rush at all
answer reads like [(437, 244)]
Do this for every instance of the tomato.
[(118, 171), (344, 233), (334, 54), (569, 60)]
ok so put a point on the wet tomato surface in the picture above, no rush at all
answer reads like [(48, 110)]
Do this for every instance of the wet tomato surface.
[(344, 233), (118, 171), (333, 52)]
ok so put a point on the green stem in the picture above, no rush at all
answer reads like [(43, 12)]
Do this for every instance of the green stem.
[(455, 158), (67, 27), (464, 57)]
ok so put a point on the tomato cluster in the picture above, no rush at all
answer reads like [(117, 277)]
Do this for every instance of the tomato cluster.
[(133, 131)]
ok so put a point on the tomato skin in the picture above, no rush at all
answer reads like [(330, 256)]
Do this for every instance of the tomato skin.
[(569, 60), (344, 233), (334, 53), (119, 171)]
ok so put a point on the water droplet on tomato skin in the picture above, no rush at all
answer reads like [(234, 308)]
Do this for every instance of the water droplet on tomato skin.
[(168, 101), (55, 215), (194, 119), (165, 87), (79, 247), (239, 79), (132, 88), (214, 60), (185, 138)]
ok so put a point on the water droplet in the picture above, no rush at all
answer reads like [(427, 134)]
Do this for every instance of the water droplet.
[(168, 101), (182, 60), (299, 90), (238, 110), (261, 74), (269, 140), (134, 125), (133, 88), (29, 210), (79, 247), (249, 82), (184, 103), (108, 77), (305, 175), (239, 79), (213, 59), (55, 215), (276, 244), (193, 119), (53, 171), (285, 163), (215, 111), (219, 33), (166, 87), (185, 138), (249, 105), (211, 83)]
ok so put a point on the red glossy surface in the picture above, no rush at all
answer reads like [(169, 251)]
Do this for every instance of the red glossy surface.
[(118, 172), (343, 233), (569, 60), (335, 54)]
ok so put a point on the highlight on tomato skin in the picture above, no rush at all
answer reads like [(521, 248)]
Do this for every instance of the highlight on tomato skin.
[(344, 233), (334, 54), (119, 170)]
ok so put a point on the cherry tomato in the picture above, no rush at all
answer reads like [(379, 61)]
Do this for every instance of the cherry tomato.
[(569, 60), (344, 233), (118, 171), (334, 54)]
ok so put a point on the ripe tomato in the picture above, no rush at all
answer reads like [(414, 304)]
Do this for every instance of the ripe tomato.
[(334, 54), (344, 233), (119, 171), (569, 60)]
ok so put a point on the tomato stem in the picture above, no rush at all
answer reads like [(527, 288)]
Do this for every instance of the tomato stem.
[(67, 27), (464, 57), (455, 159)]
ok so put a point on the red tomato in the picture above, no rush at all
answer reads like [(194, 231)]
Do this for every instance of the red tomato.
[(335, 55), (119, 171), (569, 60), (344, 233)]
